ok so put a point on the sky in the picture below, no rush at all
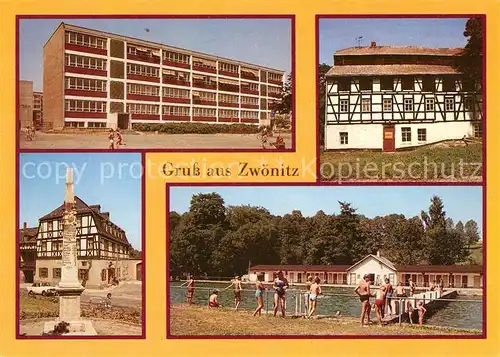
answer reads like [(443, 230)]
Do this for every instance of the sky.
[(336, 34), (265, 42), (460, 202), (111, 180)]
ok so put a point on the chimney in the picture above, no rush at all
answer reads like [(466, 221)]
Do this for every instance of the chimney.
[(378, 253), (373, 44), (25, 225), (106, 215)]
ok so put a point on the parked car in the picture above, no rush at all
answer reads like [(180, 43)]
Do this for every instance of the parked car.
[(44, 289)]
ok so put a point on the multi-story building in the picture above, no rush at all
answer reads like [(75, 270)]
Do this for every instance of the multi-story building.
[(103, 248), (25, 104), (93, 79), (38, 109), (27, 253), (387, 98)]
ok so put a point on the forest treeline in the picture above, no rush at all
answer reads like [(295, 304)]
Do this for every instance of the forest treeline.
[(213, 239)]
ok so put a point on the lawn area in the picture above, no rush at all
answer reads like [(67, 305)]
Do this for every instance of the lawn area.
[(440, 162), (476, 253), (36, 307), (195, 321)]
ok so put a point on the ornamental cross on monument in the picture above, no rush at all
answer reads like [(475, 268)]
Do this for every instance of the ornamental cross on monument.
[(69, 288)]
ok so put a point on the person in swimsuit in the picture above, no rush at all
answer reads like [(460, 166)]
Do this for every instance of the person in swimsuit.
[(280, 285), (313, 296), (309, 283), (259, 290), (412, 287), (237, 291), (388, 295), (111, 138), (190, 290), (363, 291), (380, 303), (213, 301), (400, 290), (119, 139), (421, 312)]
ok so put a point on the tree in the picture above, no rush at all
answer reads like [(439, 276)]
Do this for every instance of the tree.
[(207, 209), (291, 234), (322, 70), (471, 232), (470, 61)]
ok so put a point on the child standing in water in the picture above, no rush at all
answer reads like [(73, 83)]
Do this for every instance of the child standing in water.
[(313, 296)]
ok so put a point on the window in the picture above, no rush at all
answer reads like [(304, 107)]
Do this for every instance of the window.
[(55, 246), (227, 98), (90, 243), (468, 103), (143, 52), (142, 89), (344, 105), (408, 83), (204, 112), (249, 100), (175, 57), (449, 104), (93, 85), (175, 110), (387, 104), (408, 104), (366, 105), (83, 274), (365, 84), (56, 273), (136, 108), (429, 104), (249, 115), (275, 77), (224, 113), (428, 84), (468, 85), (478, 130), (274, 90), (43, 272), (422, 134), (141, 70), (175, 93), (203, 63), (406, 134), (387, 83), (50, 225), (449, 84), (227, 67), (344, 138), (344, 84), (73, 105), (93, 124), (85, 62), (85, 40)]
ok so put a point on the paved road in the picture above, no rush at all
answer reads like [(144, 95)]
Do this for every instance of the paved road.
[(126, 295), (147, 141)]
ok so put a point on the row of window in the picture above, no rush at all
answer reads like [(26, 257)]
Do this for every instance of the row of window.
[(225, 113), (228, 67), (86, 40), (175, 57), (274, 90), (142, 89), (227, 98), (428, 84), (131, 50), (275, 76), (93, 85), (408, 104), (141, 70), (73, 105), (85, 62)]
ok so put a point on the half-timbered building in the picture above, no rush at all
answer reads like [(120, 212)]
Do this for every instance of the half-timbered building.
[(103, 248), (388, 98), (27, 253)]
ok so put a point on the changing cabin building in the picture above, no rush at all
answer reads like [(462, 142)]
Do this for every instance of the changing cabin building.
[(94, 79), (388, 98), (103, 248)]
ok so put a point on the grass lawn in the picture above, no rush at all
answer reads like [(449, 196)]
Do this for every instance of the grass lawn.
[(36, 307), (440, 162), (476, 253), (195, 320)]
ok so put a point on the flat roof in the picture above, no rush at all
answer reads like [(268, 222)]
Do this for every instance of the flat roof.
[(388, 70), (399, 50), (165, 47)]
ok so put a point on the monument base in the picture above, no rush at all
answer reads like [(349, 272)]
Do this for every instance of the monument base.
[(76, 328)]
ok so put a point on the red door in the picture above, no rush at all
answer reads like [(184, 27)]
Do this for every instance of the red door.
[(389, 138)]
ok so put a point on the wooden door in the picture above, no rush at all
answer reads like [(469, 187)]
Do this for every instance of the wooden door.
[(389, 139), (138, 272)]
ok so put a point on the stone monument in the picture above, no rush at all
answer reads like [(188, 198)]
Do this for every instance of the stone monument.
[(69, 288)]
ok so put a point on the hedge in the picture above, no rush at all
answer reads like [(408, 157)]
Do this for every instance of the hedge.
[(197, 128)]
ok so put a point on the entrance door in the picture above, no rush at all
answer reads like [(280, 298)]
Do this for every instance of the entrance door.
[(464, 281), (477, 281), (389, 138), (123, 121), (138, 271)]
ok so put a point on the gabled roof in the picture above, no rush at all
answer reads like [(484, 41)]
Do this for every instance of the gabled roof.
[(399, 50), (389, 70), (99, 219), (28, 235), (382, 260), (310, 268)]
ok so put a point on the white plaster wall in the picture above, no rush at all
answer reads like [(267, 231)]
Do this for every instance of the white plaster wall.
[(360, 136), (435, 132), (372, 266)]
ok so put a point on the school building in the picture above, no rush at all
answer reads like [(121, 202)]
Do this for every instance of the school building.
[(94, 79), (379, 268)]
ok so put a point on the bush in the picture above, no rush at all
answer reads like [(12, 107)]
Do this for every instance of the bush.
[(196, 128)]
